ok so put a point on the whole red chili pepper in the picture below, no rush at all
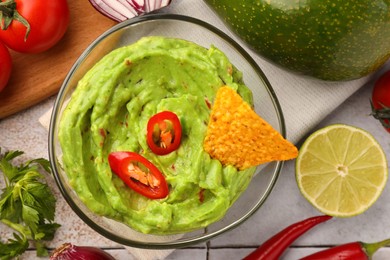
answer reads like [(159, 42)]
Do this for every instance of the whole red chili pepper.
[(274, 247), (350, 251)]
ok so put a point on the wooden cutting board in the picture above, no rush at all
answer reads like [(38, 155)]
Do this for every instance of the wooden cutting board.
[(36, 77)]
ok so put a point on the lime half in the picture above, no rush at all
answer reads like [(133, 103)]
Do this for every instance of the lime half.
[(341, 170)]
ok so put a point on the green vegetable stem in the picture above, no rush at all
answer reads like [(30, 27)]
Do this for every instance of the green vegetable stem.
[(27, 205), (8, 13)]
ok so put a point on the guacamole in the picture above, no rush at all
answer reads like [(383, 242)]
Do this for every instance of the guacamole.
[(109, 111)]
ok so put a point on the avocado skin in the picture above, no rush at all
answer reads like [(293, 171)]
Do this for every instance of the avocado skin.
[(334, 40)]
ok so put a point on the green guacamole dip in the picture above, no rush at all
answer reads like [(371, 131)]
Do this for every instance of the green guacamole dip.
[(109, 111)]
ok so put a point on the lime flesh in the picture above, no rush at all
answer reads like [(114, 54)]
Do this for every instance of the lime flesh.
[(341, 170)]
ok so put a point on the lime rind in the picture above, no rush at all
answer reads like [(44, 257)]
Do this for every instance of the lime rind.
[(341, 170)]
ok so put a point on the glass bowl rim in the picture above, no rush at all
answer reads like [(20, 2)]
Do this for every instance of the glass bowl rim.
[(58, 103)]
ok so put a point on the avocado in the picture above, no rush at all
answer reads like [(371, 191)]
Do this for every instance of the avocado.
[(333, 40)]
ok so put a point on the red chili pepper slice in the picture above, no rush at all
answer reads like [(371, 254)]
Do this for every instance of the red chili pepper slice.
[(139, 174), (164, 133)]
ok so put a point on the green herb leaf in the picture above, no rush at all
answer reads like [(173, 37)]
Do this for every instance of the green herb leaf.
[(13, 247), (27, 204), (41, 249)]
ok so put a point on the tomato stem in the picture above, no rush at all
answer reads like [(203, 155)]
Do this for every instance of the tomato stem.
[(381, 114), (9, 13)]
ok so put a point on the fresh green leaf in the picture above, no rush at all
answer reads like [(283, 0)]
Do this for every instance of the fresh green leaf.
[(10, 208), (41, 249), (27, 205), (43, 162), (13, 247), (10, 155), (30, 217), (40, 197), (6, 167), (49, 229)]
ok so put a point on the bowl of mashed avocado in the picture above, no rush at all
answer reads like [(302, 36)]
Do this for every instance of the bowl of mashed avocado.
[(99, 142)]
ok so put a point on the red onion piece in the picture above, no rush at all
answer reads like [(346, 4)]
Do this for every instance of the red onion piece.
[(68, 251), (120, 10)]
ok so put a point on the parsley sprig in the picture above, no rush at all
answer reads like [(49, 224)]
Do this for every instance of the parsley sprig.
[(27, 205)]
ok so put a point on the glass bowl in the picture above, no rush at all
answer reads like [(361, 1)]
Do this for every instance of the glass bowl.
[(265, 103)]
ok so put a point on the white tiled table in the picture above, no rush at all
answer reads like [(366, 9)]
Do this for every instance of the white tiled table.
[(284, 206)]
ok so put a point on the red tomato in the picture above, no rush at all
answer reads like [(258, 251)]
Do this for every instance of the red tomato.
[(48, 20), (139, 174), (5, 66), (163, 133), (381, 100)]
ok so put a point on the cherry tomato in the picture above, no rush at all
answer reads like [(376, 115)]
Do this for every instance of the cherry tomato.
[(47, 20), (139, 174), (5, 66), (381, 100), (163, 133)]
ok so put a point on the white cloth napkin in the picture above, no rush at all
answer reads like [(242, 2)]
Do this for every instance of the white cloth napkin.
[(304, 101)]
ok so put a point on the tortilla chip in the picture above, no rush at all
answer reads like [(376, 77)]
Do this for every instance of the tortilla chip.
[(237, 136)]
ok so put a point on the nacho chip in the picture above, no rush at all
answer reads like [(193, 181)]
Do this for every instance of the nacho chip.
[(236, 135)]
